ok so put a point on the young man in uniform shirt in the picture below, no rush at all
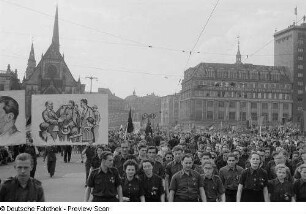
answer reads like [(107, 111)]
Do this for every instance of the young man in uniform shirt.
[(230, 175), (186, 185), (173, 167), (213, 186), (142, 153), (22, 188), (104, 183), (157, 167), (152, 184), (297, 174), (120, 159)]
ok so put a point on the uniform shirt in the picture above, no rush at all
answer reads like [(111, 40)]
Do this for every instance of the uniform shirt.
[(186, 187), (104, 184), (119, 161), (153, 187), (254, 179), (158, 169), (132, 189), (299, 188), (213, 187), (172, 168), (280, 192), (271, 171), (12, 191), (230, 176)]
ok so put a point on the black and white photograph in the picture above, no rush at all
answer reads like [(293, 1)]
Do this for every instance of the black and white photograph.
[(153, 101)]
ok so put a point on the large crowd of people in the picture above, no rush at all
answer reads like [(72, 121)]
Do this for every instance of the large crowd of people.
[(267, 165)]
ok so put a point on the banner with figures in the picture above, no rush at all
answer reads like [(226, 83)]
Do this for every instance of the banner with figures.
[(69, 119), (12, 118)]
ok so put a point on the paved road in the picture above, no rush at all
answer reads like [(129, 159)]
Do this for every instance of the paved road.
[(66, 185)]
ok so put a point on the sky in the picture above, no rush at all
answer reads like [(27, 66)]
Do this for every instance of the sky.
[(143, 45)]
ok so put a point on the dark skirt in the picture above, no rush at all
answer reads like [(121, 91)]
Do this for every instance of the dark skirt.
[(252, 195)]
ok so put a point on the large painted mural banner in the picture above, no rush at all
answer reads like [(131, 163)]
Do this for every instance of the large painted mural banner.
[(12, 118), (69, 119)]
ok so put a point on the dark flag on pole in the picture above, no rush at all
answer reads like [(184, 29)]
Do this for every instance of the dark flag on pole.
[(130, 127)]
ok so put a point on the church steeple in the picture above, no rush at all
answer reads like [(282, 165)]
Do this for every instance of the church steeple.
[(55, 38), (31, 62), (238, 55)]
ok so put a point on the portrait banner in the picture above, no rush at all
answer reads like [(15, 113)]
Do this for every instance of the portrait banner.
[(12, 118), (69, 119)]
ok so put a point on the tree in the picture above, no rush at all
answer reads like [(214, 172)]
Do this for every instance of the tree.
[(130, 127)]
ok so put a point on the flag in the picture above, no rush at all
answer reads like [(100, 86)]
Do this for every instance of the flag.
[(295, 11), (130, 126)]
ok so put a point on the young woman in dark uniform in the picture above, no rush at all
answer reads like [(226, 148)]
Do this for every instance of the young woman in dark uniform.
[(253, 184), (131, 185)]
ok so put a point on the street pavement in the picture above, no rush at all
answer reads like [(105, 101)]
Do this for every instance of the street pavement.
[(67, 184)]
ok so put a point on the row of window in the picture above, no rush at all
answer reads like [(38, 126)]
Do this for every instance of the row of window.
[(238, 94), (242, 116), (233, 104)]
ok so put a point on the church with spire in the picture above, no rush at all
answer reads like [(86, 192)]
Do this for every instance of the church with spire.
[(51, 75)]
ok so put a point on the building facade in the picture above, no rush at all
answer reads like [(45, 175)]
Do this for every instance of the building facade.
[(117, 114), (51, 75), (235, 93), (9, 79), (170, 110), (290, 51)]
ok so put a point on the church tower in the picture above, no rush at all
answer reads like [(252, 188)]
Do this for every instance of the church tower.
[(238, 55), (31, 63)]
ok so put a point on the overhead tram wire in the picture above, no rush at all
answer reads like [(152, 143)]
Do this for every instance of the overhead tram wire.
[(250, 55), (202, 31), (136, 43)]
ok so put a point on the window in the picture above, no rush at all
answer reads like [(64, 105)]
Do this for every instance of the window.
[(265, 116), (300, 75), (275, 117), (221, 104), (243, 116), (232, 104), (280, 96), (264, 105), (221, 115), (254, 116), (253, 105), (300, 58), (259, 95), (301, 50), (300, 91), (300, 66), (210, 103), (275, 105), (232, 116), (300, 83), (285, 106), (1, 87), (242, 104), (210, 115)]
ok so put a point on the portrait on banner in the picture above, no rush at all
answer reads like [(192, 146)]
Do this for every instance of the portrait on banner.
[(12, 118), (72, 119)]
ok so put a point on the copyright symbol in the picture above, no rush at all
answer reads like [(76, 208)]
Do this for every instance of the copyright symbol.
[(2, 208)]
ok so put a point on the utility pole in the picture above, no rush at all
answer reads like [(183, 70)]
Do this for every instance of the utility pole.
[(91, 78)]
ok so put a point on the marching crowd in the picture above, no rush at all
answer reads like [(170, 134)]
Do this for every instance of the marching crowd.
[(213, 166)]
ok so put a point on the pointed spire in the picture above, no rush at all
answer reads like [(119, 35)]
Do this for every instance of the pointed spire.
[(31, 62), (79, 80), (55, 38), (238, 55), (134, 92)]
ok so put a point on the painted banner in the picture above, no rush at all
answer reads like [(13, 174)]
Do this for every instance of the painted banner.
[(12, 118), (69, 119)]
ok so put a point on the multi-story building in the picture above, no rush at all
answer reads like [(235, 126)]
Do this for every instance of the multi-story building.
[(51, 75), (170, 110), (9, 79), (290, 51), (235, 93), (117, 114)]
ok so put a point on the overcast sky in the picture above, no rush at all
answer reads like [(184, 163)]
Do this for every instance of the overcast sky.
[(109, 39)]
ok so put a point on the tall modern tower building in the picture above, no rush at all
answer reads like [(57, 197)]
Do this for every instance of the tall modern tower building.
[(290, 51)]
